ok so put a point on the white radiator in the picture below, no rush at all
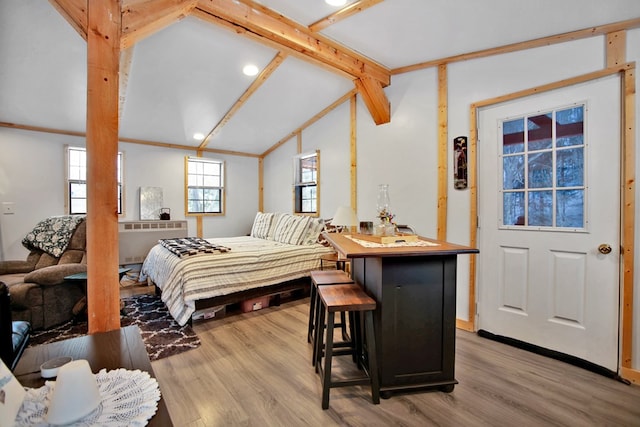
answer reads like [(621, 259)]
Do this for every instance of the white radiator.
[(136, 238)]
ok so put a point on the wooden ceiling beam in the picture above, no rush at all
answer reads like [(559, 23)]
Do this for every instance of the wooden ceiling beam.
[(257, 19), (207, 17), (343, 13), (75, 12), (141, 18), (375, 99), (265, 22)]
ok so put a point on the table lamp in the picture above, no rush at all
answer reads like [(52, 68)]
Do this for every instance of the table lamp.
[(345, 218)]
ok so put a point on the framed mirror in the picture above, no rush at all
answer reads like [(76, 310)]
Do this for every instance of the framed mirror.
[(150, 203)]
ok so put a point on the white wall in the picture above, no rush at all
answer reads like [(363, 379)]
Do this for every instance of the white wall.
[(147, 166), (278, 178), (403, 153), (330, 135), (32, 177), (335, 158)]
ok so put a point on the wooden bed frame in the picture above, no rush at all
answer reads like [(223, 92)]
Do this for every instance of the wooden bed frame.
[(297, 287)]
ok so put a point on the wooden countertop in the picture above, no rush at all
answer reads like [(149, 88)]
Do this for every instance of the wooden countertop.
[(350, 249)]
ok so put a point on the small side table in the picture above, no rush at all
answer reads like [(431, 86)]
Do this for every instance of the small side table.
[(81, 305), (83, 276)]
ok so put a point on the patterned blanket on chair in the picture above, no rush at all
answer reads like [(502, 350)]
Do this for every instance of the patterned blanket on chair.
[(53, 234)]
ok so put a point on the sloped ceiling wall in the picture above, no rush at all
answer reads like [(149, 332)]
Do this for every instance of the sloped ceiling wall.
[(184, 78)]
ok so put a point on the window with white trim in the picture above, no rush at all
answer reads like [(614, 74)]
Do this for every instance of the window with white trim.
[(305, 183), (543, 170), (76, 188), (205, 186)]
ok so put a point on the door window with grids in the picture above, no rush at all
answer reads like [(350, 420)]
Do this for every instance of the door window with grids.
[(543, 170)]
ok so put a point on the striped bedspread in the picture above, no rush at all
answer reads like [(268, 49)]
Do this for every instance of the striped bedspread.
[(251, 263)]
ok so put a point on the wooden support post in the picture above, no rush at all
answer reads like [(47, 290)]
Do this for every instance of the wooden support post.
[(616, 48), (443, 145), (354, 154), (261, 184), (628, 217), (103, 63)]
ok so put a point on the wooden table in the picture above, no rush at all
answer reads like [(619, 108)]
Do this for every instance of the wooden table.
[(415, 318), (121, 348)]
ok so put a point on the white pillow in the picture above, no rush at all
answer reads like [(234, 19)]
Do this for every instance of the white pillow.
[(274, 222), (261, 225), (290, 229), (312, 232)]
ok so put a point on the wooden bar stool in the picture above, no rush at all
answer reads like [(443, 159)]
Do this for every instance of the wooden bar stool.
[(353, 299), (323, 278)]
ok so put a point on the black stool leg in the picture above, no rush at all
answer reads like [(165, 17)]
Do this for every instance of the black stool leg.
[(312, 311), (318, 339), (328, 355), (357, 340), (372, 356)]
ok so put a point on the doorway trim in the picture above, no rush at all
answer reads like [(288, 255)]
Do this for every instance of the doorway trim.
[(627, 200)]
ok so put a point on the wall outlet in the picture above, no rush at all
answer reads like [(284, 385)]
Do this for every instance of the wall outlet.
[(8, 208)]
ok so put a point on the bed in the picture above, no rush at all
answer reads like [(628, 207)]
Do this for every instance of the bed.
[(277, 256)]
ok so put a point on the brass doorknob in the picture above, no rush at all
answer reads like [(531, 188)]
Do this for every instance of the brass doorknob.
[(604, 249)]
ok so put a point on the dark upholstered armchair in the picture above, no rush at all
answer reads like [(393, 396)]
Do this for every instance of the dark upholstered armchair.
[(14, 336), (39, 293)]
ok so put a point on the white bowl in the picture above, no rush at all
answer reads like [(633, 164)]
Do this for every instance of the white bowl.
[(49, 369), (75, 393)]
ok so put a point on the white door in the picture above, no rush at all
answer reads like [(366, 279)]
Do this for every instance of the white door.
[(549, 197)]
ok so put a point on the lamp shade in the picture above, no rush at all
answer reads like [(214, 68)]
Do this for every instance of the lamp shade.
[(75, 394), (345, 217)]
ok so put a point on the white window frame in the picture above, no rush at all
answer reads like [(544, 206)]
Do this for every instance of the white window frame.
[(300, 182), (195, 179), (554, 150), (76, 174)]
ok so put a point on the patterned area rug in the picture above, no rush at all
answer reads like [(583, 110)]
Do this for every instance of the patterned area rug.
[(161, 334)]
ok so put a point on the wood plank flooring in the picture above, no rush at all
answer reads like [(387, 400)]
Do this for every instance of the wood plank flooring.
[(254, 369)]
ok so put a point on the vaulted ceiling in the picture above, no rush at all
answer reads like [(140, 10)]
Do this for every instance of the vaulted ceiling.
[(181, 61)]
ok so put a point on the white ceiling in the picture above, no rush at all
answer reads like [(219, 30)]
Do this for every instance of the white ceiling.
[(184, 78)]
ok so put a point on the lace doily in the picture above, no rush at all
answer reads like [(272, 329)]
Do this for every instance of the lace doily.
[(129, 398)]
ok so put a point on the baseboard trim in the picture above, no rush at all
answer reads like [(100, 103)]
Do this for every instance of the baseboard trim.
[(563, 357)]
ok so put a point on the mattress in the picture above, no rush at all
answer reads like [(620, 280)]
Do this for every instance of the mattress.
[(251, 263)]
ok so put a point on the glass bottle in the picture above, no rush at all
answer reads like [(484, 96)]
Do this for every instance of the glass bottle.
[(383, 201), (385, 228)]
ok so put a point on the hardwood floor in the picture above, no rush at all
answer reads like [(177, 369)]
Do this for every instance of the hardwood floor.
[(254, 369)]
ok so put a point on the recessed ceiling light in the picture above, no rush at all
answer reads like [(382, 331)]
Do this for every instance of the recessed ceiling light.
[(250, 70), (198, 136), (336, 2)]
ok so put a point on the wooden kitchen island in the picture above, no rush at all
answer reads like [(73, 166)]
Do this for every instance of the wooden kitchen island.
[(415, 317)]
